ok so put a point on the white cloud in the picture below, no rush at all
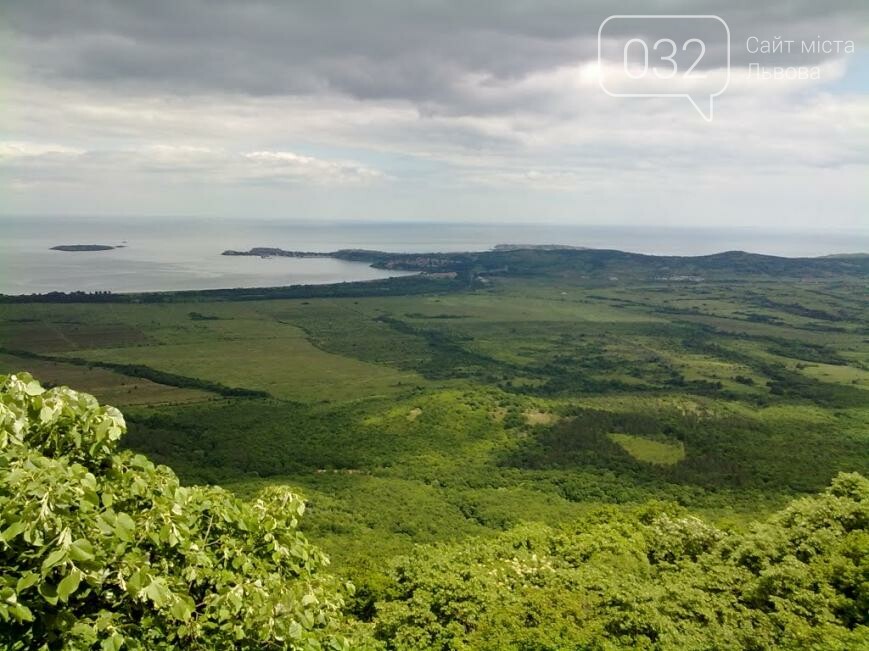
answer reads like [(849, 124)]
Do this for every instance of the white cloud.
[(284, 165), (12, 150), (47, 164)]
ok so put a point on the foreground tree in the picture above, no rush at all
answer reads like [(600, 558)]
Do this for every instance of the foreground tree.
[(103, 549)]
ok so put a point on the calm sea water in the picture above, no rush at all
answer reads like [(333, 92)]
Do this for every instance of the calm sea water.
[(167, 254)]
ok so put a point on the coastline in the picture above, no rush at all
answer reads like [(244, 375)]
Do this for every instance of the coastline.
[(420, 273)]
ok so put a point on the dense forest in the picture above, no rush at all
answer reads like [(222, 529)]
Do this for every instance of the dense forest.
[(103, 549)]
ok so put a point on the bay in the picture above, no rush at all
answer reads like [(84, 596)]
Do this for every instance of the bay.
[(161, 254)]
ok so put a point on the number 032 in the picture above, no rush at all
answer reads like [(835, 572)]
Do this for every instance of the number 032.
[(663, 45)]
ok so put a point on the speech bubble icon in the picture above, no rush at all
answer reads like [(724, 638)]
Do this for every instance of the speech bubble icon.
[(665, 56), (705, 105)]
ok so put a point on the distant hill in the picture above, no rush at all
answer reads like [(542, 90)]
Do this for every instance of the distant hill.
[(847, 255), (539, 247), (609, 264)]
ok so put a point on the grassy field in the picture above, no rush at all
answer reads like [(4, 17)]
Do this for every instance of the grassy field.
[(286, 365), (658, 452), (434, 417), (112, 388)]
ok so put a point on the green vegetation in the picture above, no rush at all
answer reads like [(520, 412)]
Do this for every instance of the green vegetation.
[(664, 453), (101, 549), (533, 396), (278, 365), (647, 578)]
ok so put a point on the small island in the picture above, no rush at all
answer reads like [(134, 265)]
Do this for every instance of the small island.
[(84, 247)]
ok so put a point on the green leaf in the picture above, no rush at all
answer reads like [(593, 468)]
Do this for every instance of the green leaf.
[(158, 592), (46, 414), (134, 583), (26, 581), (81, 550), (182, 608), (295, 631), (125, 527), (55, 558), (33, 388), (13, 530), (68, 585), (21, 612), (48, 592)]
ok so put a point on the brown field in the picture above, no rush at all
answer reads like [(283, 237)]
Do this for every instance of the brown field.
[(108, 387)]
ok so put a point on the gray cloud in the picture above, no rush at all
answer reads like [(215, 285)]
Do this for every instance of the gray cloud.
[(423, 52)]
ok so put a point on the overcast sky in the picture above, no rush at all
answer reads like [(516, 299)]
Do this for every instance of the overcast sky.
[(400, 110)]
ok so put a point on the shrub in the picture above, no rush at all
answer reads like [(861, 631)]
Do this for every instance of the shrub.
[(103, 549), (645, 580)]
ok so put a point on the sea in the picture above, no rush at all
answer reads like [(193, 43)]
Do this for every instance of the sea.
[(162, 254)]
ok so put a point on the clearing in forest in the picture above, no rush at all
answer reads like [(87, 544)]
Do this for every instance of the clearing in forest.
[(658, 452)]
